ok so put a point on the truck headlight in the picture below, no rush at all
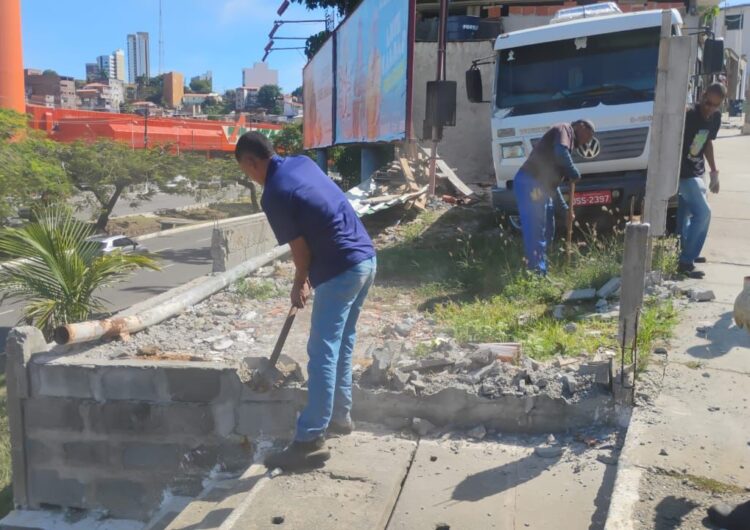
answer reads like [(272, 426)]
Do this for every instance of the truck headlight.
[(512, 150)]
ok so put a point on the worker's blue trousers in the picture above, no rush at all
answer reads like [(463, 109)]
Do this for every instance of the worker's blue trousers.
[(537, 212)]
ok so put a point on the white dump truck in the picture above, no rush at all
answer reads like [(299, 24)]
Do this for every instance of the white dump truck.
[(591, 62)]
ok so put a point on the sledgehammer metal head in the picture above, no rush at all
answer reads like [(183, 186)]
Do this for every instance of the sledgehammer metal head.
[(266, 375)]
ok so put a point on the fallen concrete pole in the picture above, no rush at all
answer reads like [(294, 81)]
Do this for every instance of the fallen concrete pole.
[(125, 325)]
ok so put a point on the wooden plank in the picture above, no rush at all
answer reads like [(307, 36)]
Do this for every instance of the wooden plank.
[(453, 178), (408, 174)]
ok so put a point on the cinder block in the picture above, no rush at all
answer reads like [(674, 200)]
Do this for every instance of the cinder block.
[(42, 453), (53, 413), (129, 382), (48, 487), (200, 385), (129, 417), (269, 418), (88, 453), (59, 380), (152, 456), (225, 418), (127, 499)]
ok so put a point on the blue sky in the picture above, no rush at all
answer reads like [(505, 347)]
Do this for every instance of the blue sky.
[(218, 35)]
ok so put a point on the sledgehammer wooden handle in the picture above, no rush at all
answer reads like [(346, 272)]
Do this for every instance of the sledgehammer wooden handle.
[(282, 336), (571, 219)]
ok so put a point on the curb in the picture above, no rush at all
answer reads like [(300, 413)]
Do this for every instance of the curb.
[(625, 493)]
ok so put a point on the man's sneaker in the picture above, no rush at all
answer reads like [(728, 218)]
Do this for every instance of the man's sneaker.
[(730, 517), (689, 270), (340, 429), (299, 455), (700, 259)]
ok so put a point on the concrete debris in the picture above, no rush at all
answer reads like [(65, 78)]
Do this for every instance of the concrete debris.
[(570, 327), (418, 385), (399, 380), (608, 459), (508, 352), (579, 295), (404, 328), (663, 452), (697, 295), (222, 344), (660, 351), (601, 306), (549, 451), (250, 316), (276, 472), (570, 384), (704, 328), (609, 288), (559, 312), (422, 427), (378, 372), (477, 433)]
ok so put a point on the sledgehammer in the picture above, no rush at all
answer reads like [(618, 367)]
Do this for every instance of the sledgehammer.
[(266, 375), (571, 219)]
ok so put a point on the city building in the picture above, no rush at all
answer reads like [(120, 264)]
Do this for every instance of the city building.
[(93, 72), (260, 74), (174, 89), (106, 96), (45, 85), (245, 98), (292, 108), (118, 59), (106, 66), (139, 62), (730, 24)]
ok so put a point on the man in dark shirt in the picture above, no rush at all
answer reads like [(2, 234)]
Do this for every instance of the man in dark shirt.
[(537, 181), (702, 124), (332, 251)]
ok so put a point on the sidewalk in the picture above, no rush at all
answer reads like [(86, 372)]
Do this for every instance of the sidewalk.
[(689, 447)]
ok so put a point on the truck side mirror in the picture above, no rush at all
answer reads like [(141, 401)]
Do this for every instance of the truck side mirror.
[(713, 56), (474, 84)]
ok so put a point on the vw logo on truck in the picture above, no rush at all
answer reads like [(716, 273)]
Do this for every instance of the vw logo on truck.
[(591, 150)]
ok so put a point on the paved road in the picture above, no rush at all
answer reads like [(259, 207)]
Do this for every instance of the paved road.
[(184, 256)]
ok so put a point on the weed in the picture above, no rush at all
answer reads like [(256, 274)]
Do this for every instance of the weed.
[(6, 492), (694, 365), (257, 289), (657, 321), (706, 484)]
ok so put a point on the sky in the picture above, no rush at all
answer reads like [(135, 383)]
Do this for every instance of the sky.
[(223, 36)]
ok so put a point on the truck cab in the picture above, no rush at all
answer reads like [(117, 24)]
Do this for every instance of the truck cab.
[(590, 62)]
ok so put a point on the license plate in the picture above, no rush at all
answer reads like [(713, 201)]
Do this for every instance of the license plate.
[(593, 198)]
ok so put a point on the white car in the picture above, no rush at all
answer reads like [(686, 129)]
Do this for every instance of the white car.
[(122, 243)]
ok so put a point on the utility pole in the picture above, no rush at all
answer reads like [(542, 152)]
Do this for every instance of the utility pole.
[(436, 129)]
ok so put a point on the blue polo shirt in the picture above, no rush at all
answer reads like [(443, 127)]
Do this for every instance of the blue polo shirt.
[(300, 200)]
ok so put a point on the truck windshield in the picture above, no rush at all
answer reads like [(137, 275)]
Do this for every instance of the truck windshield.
[(610, 69)]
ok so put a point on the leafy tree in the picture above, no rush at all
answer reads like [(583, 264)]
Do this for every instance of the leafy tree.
[(298, 93), (344, 6), (59, 272), (50, 73), (200, 86), (269, 97), (111, 170), (151, 89), (347, 162), (289, 141), (30, 169), (315, 42)]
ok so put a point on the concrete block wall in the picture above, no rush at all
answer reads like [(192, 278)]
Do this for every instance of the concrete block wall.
[(236, 243), (119, 436)]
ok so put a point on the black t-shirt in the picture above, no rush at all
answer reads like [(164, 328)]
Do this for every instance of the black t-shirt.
[(698, 131)]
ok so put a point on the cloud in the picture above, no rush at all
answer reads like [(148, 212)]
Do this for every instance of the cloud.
[(246, 11)]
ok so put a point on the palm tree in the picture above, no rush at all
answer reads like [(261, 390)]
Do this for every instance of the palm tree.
[(57, 271)]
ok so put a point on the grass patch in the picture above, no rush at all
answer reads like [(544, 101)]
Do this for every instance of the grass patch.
[(257, 289), (468, 269), (216, 210), (133, 225), (706, 484), (694, 365), (6, 492)]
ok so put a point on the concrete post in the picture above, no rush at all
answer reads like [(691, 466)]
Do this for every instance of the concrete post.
[(633, 278), (369, 162), (21, 344), (321, 157), (667, 126)]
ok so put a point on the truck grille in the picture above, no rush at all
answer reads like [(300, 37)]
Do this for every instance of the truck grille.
[(615, 145)]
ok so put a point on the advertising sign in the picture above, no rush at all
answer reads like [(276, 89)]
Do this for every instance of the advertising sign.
[(318, 94), (372, 51)]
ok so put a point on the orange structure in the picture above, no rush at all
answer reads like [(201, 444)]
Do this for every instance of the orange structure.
[(67, 125), (11, 57)]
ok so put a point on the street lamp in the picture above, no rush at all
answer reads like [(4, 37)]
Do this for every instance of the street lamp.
[(283, 7)]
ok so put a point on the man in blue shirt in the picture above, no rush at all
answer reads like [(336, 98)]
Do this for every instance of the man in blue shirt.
[(537, 181), (332, 252)]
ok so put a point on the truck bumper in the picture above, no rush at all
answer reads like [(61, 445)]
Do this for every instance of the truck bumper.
[(628, 189)]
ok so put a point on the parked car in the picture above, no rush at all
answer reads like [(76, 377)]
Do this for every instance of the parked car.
[(122, 243)]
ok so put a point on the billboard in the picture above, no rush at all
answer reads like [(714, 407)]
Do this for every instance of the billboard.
[(372, 50), (318, 94)]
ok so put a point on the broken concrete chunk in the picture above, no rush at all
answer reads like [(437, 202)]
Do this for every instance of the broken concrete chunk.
[(377, 373), (570, 384), (601, 306), (609, 288), (697, 295), (422, 427), (403, 328), (600, 370), (548, 451), (478, 432), (570, 327), (399, 380), (559, 312), (479, 375), (608, 459), (222, 344), (503, 351), (578, 295)]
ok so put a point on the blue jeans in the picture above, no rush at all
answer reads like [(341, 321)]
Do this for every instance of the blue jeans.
[(693, 218), (336, 308), (537, 212)]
